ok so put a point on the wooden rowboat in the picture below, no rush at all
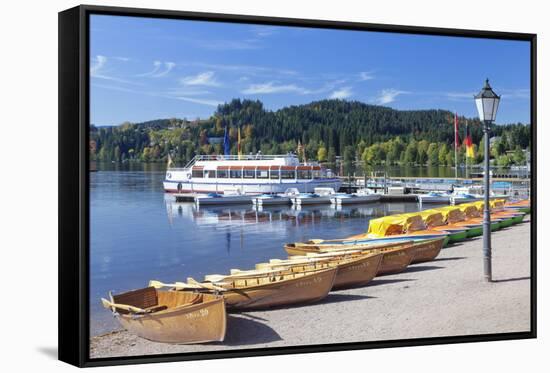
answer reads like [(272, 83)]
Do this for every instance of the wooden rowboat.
[(170, 316), (425, 251), (396, 257), (260, 290), (354, 268)]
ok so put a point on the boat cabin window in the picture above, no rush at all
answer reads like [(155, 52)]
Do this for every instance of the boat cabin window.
[(248, 174), (222, 174), (197, 173), (317, 174), (235, 174), (208, 173), (304, 174), (262, 174), (274, 174), (288, 174)]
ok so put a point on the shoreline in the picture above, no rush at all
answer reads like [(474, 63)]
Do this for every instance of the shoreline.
[(444, 297)]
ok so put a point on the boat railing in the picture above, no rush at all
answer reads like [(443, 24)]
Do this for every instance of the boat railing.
[(243, 157)]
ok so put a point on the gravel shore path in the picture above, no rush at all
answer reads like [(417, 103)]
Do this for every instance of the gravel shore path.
[(445, 297)]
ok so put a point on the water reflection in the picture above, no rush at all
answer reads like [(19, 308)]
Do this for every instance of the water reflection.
[(138, 233), (223, 216)]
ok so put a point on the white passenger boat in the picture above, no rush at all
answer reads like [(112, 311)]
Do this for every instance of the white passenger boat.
[(434, 197), (252, 174), (318, 197), (362, 196), (276, 199)]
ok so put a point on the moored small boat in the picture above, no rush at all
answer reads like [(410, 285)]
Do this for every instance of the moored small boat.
[(274, 289), (354, 267), (445, 219), (396, 257), (170, 316), (318, 197), (425, 251), (522, 205), (228, 198), (275, 199), (433, 197), (362, 196)]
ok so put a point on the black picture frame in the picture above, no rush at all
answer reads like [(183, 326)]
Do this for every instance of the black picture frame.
[(74, 114)]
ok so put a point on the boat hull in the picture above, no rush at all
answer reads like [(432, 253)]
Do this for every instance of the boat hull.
[(269, 201), (358, 272), (436, 200), (299, 201), (355, 200), (427, 251), (354, 269), (396, 257), (224, 200), (475, 231), (395, 261), (304, 289), (457, 236), (518, 219), (199, 323), (507, 222), (358, 240), (252, 187)]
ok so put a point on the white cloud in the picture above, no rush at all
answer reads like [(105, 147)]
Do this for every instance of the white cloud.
[(460, 95), (200, 101), (158, 70), (341, 93), (243, 69), (205, 79), (272, 87), (264, 31), (168, 66), (522, 93), (97, 70), (389, 95), (156, 67), (98, 63), (366, 75)]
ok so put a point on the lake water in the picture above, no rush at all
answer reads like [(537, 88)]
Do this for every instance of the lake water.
[(138, 233)]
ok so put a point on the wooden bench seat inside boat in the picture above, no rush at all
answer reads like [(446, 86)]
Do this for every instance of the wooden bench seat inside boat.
[(151, 300)]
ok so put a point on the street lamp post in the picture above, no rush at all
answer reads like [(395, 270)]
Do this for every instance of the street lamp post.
[(487, 105)]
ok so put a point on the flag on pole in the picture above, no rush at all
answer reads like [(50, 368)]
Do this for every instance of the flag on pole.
[(239, 142), (468, 143), (457, 141), (301, 151), (226, 145)]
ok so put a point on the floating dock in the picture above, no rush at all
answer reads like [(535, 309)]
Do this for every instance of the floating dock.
[(191, 197)]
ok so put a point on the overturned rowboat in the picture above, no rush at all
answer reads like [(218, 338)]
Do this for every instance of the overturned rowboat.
[(170, 316)]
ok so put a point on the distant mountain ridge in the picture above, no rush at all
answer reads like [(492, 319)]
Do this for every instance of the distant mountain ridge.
[(331, 124)]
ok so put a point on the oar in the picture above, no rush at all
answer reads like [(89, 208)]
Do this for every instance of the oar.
[(205, 285), (126, 307), (237, 275), (177, 285)]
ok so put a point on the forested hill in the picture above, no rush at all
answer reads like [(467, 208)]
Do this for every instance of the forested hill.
[(333, 125)]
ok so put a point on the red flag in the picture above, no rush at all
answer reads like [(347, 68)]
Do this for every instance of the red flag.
[(457, 142)]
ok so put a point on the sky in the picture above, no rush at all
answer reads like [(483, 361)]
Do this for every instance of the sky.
[(144, 68)]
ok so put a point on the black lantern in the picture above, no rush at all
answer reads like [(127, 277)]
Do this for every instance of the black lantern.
[(487, 103)]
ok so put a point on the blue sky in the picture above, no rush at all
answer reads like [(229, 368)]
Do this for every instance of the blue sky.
[(143, 69)]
